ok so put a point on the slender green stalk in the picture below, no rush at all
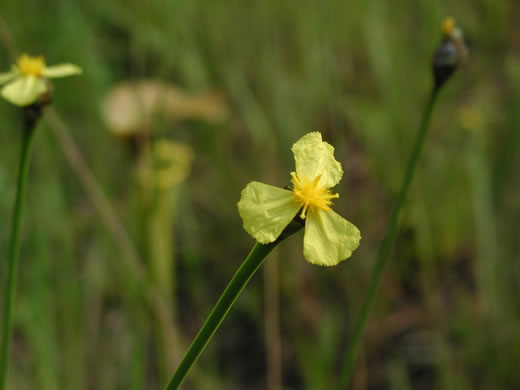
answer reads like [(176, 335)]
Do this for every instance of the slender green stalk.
[(250, 265), (14, 244), (384, 250)]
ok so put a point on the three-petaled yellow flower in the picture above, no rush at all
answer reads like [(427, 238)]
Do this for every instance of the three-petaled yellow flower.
[(27, 79), (267, 210)]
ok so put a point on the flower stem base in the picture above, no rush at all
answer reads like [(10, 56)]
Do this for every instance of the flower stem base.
[(31, 114)]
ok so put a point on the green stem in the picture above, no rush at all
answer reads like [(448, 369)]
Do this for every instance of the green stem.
[(384, 250), (250, 265), (14, 245)]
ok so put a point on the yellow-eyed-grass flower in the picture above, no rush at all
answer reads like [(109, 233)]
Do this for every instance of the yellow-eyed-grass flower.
[(27, 87), (272, 214), (267, 210), (27, 80)]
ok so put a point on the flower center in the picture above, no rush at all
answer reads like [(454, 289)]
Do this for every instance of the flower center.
[(30, 65), (310, 194)]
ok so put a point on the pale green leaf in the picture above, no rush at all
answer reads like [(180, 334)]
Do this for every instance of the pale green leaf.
[(266, 210), (329, 238), (24, 90), (314, 157), (62, 70)]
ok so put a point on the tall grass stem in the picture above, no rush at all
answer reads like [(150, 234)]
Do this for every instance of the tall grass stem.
[(14, 247), (384, 249), (244, 273)]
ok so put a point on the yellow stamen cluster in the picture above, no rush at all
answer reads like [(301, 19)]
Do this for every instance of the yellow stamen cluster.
[(30, 65), (310, 194)]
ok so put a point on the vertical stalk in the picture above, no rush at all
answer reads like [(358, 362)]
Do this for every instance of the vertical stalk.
[(273, 344), (31, 116), (390, 234), (161, 243), (244, 273)]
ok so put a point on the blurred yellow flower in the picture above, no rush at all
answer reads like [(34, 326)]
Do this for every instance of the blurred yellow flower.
[(27, 79), (266, 210), (448, 25), (471, 118)]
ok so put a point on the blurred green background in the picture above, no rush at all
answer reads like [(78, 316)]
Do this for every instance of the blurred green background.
[(95, 311)]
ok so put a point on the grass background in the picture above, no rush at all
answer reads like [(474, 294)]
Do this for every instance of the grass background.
[(448, 311)]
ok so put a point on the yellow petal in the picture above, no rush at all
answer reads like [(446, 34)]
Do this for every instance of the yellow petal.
[(266, 210), (24, 90), (329, 238), (62, 70), (314, 157), (8, 76)]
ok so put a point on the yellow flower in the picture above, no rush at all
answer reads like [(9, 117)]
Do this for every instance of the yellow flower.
[(27, 79), (266, 210)]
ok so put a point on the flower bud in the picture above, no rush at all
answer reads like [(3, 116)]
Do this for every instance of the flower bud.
[(451, 52)]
